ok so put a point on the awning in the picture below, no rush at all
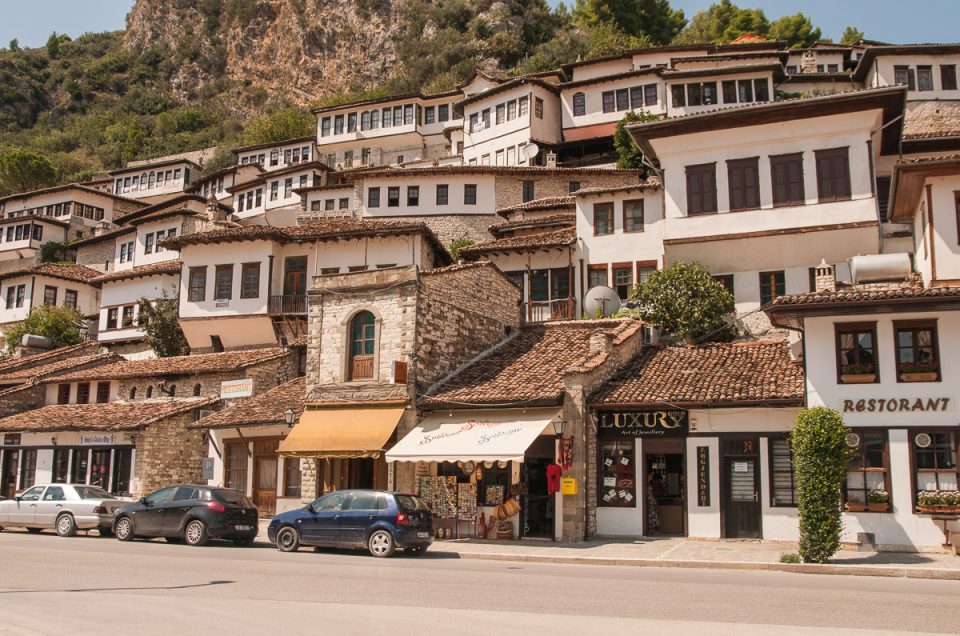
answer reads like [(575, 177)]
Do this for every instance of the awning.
[(352, 432), (477, 436)]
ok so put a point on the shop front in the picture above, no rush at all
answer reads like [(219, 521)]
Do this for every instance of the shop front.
[(486, 473)]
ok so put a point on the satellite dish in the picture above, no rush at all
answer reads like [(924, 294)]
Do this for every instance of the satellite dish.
[(603, 299), (530, 151)]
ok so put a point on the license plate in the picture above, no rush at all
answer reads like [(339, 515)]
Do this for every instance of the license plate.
[(243, 528), (423, 535)]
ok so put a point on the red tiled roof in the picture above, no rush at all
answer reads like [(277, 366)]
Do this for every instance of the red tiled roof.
[(72, 272), (546, 203), (108, 416), (57, 366), (714, 374), (201, 364), (260, 410), (89, 347), (71, 186), (866, 293), (557, 238), (154, 269), (528, 368), (652, 183), (553, 220)]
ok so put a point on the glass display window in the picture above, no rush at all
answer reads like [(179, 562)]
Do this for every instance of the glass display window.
[(618, 487)]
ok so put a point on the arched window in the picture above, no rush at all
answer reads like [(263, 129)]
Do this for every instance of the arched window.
[(149, 392), (133, 393), (196, 390), (363, 334), (579, 104)]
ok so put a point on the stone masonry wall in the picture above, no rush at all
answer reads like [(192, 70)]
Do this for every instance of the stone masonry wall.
[(94, 256), (453, 227), (509, 187), (462, 311), (22, 399), (168, 453)]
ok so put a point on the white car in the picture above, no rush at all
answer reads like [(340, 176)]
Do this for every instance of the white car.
[(65, 508)]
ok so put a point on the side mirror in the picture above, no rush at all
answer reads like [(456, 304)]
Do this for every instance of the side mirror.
[(16, 498), (143, 501)]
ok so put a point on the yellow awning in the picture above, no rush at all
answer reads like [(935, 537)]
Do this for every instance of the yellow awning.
[(342, 432)]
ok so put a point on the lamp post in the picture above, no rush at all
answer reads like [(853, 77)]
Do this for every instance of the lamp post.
[(558, 426), (288, 417)]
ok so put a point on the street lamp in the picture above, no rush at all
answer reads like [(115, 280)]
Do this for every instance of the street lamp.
[(558, 425), (288, 417)]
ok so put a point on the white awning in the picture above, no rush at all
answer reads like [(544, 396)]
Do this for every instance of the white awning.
[(478, 436)]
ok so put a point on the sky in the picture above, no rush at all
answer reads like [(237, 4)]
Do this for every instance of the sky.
[(32, 21)]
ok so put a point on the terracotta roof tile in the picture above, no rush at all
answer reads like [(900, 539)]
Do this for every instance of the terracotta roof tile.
[(72, 272), (871, 292), (557, 238), (108, 416), (89, 347), (707, 374), (259, 410), (652, 183), (57, 366), (546, 203), (553, 220), (201, 364), (154, 269), (528, 368)]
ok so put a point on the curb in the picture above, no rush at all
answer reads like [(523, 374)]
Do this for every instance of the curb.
[(801, 568)]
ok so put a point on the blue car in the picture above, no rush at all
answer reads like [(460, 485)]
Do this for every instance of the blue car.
[(376, 520)]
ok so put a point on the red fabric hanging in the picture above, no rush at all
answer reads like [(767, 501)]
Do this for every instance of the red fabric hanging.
[(554, 472)]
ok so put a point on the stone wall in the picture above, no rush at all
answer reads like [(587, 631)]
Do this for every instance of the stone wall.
[(97, 255), (20, 399), (168, 453), (509, 187), (461, 312), (453, 227)]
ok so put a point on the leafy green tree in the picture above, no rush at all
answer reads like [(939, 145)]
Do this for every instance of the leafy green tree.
[(796, 30), (286, 123), (628, 155), (133, 142), (652, 19), (14, 45), (608, 39), (160, 320), (53, 45), (820, 457), (723, 22), (851, 35), (458, 245), (61, 324), (22, 170), (686, 302)]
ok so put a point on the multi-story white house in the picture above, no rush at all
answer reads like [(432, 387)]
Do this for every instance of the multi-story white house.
[(271, 198), (218, 184), (27, 287), (278, 155), (155, 181)]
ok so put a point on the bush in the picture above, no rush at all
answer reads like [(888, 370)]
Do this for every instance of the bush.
[(790, 557), (820, 457), (60, 324)]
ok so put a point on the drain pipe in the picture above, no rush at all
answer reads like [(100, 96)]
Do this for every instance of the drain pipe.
[(873, 175)]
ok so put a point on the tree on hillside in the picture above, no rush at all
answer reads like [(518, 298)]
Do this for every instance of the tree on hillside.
[(628, 155), (686, 302), (14, 45), (61, 324), (652, 19), (286, 123), (723, 22), (160, 320), (851, 35), (22, 170), (796, 30)]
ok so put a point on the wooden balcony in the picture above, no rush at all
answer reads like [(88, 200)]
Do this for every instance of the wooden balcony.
[(544, 310), (288, 305)]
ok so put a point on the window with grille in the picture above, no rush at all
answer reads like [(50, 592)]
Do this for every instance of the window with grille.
[(783, 476), (235, 466)]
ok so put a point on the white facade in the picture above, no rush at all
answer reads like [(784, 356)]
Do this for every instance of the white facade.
[(923, 74), (150, 180), (278, 156), (422, 195), (255, 199), (23, 293), (120, 309), (497, 127), (22, 238)]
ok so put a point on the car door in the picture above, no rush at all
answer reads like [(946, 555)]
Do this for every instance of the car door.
[(148, 518), (175, 511), (50, 505), (24, 511), (321, 523), (359, 514)]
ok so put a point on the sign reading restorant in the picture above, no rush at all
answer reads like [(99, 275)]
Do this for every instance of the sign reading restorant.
[(230, 389), (899, 405)]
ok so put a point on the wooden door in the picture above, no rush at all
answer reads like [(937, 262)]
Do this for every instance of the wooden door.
[(295, 276), (265, 464), (742, 497)]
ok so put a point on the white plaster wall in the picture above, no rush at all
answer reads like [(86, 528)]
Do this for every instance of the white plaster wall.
[(946, 234), (51, 398), (13, 249), (51, 198), (677, 111), (593, 94), (225, 254), (127, 292), (170, 186), (599, 69), (158, 255), (884, 70), (281, 148), (703, 522)]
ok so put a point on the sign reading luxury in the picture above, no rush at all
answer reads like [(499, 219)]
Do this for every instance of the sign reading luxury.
[(657, 423)]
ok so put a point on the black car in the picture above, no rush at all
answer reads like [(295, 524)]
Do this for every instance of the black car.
[(189, 513), (376, 520)]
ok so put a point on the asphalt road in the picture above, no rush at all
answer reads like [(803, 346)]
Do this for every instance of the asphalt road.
[(92, 585)]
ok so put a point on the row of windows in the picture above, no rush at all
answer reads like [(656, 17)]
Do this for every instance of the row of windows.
[(91, 212), (291, 156), (100, 394), (505, 156), (916, 352), (507, 111), (633, 98), (341, 203), (254, 198), (152, 239), (16, 295), (126, 251), (122, 317), (212, 187), (388, 117), (921, 77), (223, 282), (413, 195), (24, 232), (235, 469), (148, 181), (734, 92), (632, 212), (170, 391), (622, 276), (786, 175), (793, 69)]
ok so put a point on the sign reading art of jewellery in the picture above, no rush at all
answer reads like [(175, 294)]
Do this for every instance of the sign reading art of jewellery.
[(655, 423)]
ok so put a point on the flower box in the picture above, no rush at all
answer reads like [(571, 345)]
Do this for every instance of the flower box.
[(858, 378), (856, 507), (878, 507), (926, 376), (938, 509)]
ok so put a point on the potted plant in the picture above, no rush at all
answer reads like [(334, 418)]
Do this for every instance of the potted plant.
[(859, 373), (878, 500), (921, 371), (939, 501)]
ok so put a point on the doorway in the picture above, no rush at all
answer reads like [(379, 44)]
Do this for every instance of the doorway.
[(665, 481), (8, 473), (265, 464), (741, 489), (295, 276), (536, 504)]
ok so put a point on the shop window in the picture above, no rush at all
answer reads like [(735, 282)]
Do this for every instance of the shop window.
[(363, 330), (496, 484), (235, 466), (28, 467), (772, 285), (61, 465), (917, 351), (633, 216), (857, 353), (602, 219), (122, 462), (617, 487), (291, 477), (867, 470), (78, 473), (935, 460), (701, 189)]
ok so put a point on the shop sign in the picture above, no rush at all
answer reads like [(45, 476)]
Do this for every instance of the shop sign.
[(899, 405), (703, 476), (11, 439), (97, 440), (230, 389), (659, 423)]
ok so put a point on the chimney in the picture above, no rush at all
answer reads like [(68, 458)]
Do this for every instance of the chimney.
[(808, 63), (551, 160), (214, 211), (825, 277), (601, 342)]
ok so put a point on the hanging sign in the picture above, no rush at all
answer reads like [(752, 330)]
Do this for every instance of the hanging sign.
[(97, 440), (656, 423), (703, 476), (230, 389)]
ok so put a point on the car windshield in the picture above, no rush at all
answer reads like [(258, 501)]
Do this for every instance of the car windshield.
[(92, 492), (408, 503), (232, 497)]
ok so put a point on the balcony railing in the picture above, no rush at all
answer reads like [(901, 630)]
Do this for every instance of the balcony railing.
[(288, 305), (544, 310)]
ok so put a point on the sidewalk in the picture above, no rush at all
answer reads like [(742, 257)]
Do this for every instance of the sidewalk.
[(680, 552)]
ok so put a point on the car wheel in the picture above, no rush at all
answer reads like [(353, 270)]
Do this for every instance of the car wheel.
[(66, 526), (195, 533), (105, 532), (417, 551), (242, 543), (34, 530), (288, 539), (381, 544), (123, 529)]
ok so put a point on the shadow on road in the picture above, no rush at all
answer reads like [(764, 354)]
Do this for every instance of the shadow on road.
[(118, 589)]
